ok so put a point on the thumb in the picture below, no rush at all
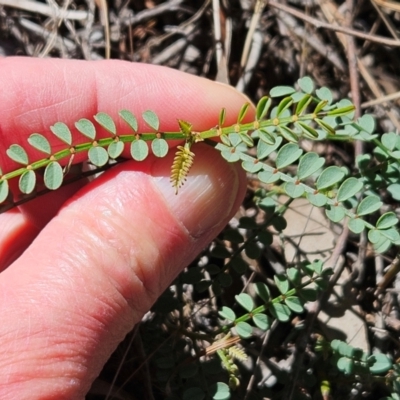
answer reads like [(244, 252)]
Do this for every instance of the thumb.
[(90, 276)]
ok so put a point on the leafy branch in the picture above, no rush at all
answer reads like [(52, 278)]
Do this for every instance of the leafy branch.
[(275, 134)]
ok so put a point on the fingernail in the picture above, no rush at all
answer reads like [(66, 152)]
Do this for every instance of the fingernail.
[(208, 196)]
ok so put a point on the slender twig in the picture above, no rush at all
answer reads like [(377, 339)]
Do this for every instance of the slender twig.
[(320, 24), (45, 9), (351, 51)]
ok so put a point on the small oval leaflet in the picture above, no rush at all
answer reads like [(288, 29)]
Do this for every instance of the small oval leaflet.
[(266, 137), (324, 93), (303, 104), (289, 134), (287, 155), (227, 313), (106, 122), (387, 220), (329, 177), (222, 117), (86, 127), (27, 182), (62, 131), (306, 84), (294, 190), (262, 291), (39, 142), (139, 150), (220, 391), (244, 330), (369, 205), (159, 147), (264, 149), (243, 112), (262, 107), (349, 188), (294, 303), (245, 301), (53, 175), (252, 167), (3, 190), (281, 312), (230, 156), (18, 154), (356, 225), (309, 164), (307, 130), (129, 118), (151, 119), (283, 106), (262, 321), (317, 200), (115, 149), (282, 283), (335, 213), (279, 91), (98, 156)]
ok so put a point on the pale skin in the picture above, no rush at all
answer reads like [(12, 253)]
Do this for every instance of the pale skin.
[(82, 265)]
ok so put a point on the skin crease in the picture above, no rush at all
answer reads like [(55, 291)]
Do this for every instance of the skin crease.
[(81, 266)]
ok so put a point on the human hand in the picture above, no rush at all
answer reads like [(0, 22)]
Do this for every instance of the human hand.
[(80, 266)]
